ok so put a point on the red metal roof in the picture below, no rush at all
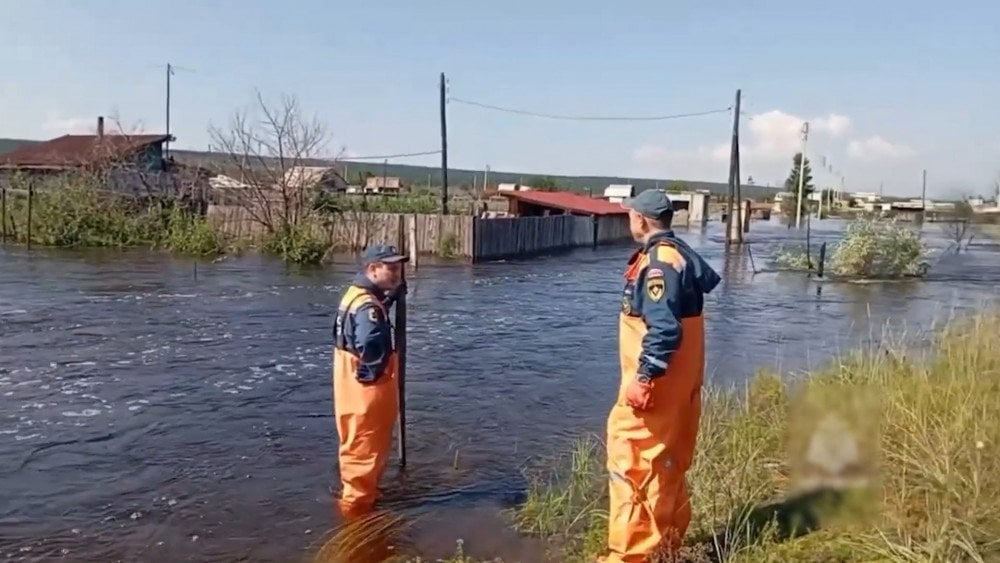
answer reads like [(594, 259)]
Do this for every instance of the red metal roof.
[(76, 150), (569, 201)]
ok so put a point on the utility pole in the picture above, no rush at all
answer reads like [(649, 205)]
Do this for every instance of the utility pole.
[(923, 198), (742, 221), (734, 178), (444, 150), (385, 173), (802, 177), (166, 147)]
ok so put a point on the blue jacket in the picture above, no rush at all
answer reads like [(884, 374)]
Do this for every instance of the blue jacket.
[(683, 297), (365, 331)]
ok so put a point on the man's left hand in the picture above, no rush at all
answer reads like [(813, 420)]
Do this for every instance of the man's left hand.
[(639, 395)]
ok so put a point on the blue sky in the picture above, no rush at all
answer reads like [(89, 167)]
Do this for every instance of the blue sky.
[(889, 88)]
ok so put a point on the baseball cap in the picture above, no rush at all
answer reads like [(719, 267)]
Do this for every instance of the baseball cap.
[(382, 253), (650, 203)]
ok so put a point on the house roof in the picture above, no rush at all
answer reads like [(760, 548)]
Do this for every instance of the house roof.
[(569, 201), (76, 150)]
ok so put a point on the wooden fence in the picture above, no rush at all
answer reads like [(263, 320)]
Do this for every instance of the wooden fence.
[(459, 236), (525, 236), (449, 235)]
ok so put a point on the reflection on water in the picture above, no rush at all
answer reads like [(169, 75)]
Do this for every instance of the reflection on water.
[(155, 410)]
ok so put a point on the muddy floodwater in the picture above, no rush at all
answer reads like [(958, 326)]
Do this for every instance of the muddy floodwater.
[(155, 409)]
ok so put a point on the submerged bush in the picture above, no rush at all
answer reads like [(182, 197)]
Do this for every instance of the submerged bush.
[(192, 234), (793, 258), (872, 249), (869, 249), (74, 214), (297, 244)]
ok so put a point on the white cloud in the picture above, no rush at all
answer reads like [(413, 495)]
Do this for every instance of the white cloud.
[(877, 148), (766, 149), (835, 125)]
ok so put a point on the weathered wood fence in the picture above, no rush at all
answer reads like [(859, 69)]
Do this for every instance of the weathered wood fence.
[(460, 236)]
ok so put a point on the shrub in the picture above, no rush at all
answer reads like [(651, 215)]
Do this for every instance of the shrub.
[(297, 244), (871, 249)]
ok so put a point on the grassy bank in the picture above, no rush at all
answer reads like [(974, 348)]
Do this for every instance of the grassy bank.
[(880, 457)]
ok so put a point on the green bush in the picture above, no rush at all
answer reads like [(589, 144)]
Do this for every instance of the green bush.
[(793, 258), (191, 234), (871, 249), (296, 244), (73, 214)]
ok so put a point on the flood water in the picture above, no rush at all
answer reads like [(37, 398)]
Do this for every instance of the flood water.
[(152, 409)]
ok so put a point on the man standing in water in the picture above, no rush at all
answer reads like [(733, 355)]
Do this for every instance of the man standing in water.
[(653, 425), (365, 391)]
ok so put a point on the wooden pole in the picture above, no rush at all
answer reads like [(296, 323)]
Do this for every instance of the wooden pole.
[(411, 241), (31, 197), (444, 150), (822, 260), (923, 199), (740, 227), (3, 210), (732, 179), (400, 338)]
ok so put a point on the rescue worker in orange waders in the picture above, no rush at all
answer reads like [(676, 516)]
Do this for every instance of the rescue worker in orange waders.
[(365, 392), (654, 423)]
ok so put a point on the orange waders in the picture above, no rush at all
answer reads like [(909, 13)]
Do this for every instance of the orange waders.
[(650, 451), (364, 413)]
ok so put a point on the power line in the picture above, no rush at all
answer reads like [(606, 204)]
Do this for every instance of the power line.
[(589, 118), (388, 156)]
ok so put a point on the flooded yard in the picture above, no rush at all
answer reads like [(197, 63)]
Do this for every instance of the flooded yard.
[(152, 408)]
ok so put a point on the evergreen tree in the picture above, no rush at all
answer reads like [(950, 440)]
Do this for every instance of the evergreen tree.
[(792, 187)]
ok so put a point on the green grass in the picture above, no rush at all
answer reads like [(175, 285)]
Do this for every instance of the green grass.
[(917, 442), (75, 215)]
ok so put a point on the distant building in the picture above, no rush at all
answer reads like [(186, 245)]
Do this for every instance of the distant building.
[(513, 188), (324, 178), (617, 193), (535, 203), (383, 185), (142, 153)]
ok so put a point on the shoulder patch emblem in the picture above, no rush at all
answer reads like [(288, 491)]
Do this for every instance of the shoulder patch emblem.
[(373, 315), (670, 255), (626, 305), (654, 273), (655, 288)]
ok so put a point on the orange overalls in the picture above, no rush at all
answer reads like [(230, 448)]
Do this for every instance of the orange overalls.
[(650, 451), (364, 413)]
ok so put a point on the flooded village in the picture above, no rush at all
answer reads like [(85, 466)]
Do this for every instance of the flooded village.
[(180, 402), (168, 298)]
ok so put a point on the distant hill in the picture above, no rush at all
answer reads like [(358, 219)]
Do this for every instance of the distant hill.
[(7, 145), (463, 178)]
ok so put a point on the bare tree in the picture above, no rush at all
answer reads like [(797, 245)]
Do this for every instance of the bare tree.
[(266, 147), (957, 227)]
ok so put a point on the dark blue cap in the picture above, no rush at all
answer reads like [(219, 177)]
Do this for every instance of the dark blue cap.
[(382, 253), (653, 204)]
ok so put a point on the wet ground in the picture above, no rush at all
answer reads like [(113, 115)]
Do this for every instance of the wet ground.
[(156, 409)]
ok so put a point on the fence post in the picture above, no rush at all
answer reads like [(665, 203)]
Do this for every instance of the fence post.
[(411, 242), (597, 223), (31, 197), (3, 209), (822, 259)]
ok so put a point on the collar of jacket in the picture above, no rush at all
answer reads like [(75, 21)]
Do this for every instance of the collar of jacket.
[(362, 281), (658, 237)]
